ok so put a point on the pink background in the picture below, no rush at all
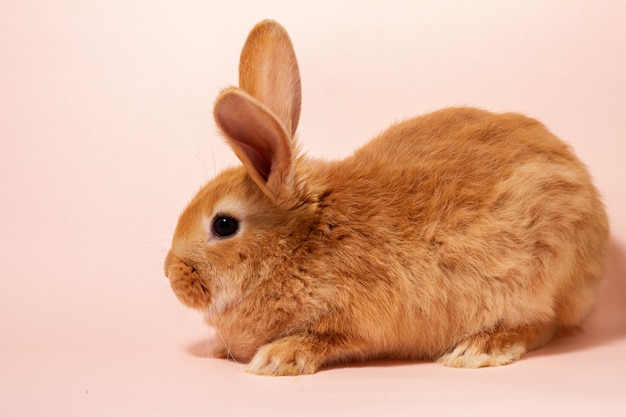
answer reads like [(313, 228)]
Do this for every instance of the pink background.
[(106, 133)]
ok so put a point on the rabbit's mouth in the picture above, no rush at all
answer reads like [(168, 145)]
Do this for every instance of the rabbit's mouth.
[(186, 283)]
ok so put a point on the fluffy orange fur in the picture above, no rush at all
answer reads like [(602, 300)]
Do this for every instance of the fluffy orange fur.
[(461, 235)]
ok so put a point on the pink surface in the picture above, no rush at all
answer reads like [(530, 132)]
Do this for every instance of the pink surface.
[(105, 134)]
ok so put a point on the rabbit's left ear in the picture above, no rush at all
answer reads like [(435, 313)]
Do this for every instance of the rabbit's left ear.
[(260, 141), (260, 117)]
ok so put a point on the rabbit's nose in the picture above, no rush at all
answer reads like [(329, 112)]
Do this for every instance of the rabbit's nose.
[(166, 265)]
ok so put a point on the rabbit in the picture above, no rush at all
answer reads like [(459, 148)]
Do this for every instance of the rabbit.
[(460, 236)]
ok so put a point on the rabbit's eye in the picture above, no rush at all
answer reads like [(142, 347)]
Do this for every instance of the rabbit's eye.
[(225, 226)]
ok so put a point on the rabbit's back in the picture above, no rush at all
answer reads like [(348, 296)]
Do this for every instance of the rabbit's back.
[(472, 143), (494, 218), (464, 159)]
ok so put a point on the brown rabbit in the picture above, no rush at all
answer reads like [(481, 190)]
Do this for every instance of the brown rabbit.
[(461, 235)]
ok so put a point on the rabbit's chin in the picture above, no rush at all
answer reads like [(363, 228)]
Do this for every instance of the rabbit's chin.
[(191, 295)]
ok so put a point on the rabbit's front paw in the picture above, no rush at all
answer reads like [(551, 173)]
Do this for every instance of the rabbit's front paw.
[(291, 355)]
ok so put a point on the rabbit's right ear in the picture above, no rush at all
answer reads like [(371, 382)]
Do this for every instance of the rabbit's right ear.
[(268, 71)]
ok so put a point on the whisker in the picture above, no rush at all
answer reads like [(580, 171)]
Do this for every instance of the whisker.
[(156, 247)]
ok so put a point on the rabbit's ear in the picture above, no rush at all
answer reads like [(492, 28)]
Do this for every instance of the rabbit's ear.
[(268, 71), (260, 141)]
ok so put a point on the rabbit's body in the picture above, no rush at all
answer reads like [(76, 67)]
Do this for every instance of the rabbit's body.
[(461, 235)]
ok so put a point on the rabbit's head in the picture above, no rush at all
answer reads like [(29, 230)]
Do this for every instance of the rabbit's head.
[(246, 220)]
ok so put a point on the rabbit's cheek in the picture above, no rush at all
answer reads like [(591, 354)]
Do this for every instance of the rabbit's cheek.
[(227, 292)]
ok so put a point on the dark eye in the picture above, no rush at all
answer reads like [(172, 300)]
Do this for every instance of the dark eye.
[(225, 226)]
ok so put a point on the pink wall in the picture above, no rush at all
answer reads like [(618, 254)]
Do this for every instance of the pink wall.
[(106, 132)]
